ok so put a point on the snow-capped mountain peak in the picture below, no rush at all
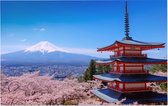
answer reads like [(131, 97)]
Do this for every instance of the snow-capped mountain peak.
[(45, 47)]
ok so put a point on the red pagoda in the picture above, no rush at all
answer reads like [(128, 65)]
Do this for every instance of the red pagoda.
[(128, 78)]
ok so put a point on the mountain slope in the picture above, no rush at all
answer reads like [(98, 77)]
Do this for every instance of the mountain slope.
[(45, 47), (44, 53)]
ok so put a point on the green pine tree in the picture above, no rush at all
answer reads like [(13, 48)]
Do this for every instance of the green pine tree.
[(103, 69), (162, 68), (158, 67), (90, 71)]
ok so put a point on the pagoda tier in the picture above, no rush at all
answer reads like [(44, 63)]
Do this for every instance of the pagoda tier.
[(129, 83), (131, 45), (127, 87), (130, 78), (112, 96), (131, 60), (129, 65), (130, 48)]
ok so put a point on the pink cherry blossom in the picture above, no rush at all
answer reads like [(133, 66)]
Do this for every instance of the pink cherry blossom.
[(32, 89)]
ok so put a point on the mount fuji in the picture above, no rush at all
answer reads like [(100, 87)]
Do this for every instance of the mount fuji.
[(44, 52), (45, 47)]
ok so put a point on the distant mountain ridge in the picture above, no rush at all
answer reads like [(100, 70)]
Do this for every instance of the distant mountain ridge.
[(44, 53)]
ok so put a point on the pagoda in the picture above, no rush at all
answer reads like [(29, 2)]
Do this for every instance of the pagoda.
[(128, 81)]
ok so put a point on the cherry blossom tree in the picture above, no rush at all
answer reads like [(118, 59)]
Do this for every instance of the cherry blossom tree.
[(33, 89)]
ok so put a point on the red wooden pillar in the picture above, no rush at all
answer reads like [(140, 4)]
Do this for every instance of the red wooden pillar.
[(124, 50), (123, 86), (118, 52), (117, 67), (145, 85), (117, 86), (124, 68), (142, 67)]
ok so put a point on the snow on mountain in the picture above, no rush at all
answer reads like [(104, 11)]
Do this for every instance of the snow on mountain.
[(45, 47), (44, 53)]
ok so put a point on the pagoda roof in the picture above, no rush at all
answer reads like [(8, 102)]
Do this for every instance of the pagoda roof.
[(132, 60), (110, 96), (131, 42), (130, 78), (135, 42)]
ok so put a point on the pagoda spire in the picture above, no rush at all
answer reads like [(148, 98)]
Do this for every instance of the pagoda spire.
[(126, 22)]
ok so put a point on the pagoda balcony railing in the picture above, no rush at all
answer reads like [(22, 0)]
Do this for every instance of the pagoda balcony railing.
[(130, 89), (130, 72), (129, 55)]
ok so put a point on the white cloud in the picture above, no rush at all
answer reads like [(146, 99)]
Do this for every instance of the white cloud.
[(152, 51), (12, 48), (85, 51), (160, 54), (81, 50), (91, 52), (40, 29), (11, 35), (23, 40)]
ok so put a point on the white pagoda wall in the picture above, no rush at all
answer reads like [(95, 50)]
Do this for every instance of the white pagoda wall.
[(128, 86), (128, 50), (132, 48), (121, 86), (134, 85), (129, 67), (132, 52), (133, 68)]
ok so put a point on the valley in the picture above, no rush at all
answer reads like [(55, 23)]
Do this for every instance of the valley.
[(57, 71)]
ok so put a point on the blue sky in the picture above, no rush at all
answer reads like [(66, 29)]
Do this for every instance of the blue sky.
[(81, 27)]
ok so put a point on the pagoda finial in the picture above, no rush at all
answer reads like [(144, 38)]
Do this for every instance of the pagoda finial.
[(126, 21)]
